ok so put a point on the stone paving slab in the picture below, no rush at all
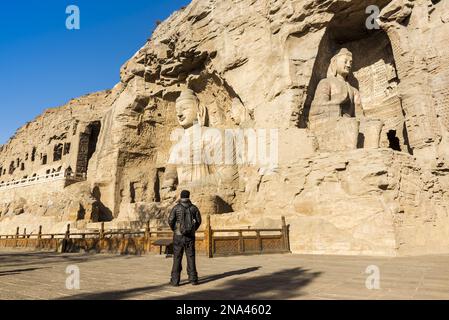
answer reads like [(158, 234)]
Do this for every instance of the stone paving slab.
[(42, 275)]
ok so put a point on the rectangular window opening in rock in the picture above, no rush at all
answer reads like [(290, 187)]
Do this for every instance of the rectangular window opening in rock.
[(157, 184), (57, 152), (12, 168), (132, 192), (67, 148), (394, 142)]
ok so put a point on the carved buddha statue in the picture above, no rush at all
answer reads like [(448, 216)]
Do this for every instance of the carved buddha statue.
[(336, 115), (334, 96), (203, 160)]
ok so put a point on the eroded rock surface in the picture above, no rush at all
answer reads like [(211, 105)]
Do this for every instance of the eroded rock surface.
[(257, 64)]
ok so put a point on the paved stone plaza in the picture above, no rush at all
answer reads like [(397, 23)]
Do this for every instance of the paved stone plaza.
[(42, 275)]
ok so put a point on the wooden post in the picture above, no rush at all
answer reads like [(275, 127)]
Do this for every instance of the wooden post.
[(259, 240), (17, 237), (208, 238), (39, 237), (147, 244), (102, 231), (241, 244), (147, 230), (64, 244), (67, 233), (24, 243), (285, 235)]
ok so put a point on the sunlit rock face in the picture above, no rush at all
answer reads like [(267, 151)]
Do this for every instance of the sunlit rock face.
[(355, 117)]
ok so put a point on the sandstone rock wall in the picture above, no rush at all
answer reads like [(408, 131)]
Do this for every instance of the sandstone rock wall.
[(50, 142), (269, 56)]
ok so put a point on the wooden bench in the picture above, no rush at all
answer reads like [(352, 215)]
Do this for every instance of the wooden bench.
[(163, 243)]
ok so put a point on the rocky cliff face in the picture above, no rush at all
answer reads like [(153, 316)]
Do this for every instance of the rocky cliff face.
[(269, 56)]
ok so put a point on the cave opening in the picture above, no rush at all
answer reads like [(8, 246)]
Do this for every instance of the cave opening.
[(132, 192), (57, 152), (87, 146), (67, 148), (394, 141), (157, 184), (94, 132)]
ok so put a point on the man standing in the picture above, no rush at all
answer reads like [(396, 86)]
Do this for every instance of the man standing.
[(184, 220)]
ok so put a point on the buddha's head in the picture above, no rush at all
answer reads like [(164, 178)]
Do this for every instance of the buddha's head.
[(341, 64), (188, 111)]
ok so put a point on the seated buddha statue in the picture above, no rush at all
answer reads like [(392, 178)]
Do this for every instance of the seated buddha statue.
[(203, 160), (336, 111), (334, 96)]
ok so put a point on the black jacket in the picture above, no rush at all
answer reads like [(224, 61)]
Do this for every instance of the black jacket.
[(177, 215)]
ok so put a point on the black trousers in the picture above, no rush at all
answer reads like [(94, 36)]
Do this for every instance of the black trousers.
[(181, 244)]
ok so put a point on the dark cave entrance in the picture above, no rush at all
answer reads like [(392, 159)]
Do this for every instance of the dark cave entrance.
[(87, 146), (94, 132), (395, 144), (157, 184)]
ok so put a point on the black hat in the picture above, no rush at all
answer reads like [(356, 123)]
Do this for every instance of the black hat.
[(185, 194)]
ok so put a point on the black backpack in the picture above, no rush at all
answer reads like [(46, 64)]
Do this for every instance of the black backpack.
[(187, 225)]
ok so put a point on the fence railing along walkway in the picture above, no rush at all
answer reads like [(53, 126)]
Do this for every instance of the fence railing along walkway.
[(212, 242), (42, 179)]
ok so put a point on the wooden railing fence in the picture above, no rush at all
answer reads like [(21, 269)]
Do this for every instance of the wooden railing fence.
[(212, 242)]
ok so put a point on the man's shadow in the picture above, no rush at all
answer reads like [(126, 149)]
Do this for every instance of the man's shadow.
[(216, 277), (129, 293)]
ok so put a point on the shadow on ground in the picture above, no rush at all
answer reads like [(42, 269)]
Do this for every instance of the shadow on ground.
[(283, 284), (18, 271), (22, 259)]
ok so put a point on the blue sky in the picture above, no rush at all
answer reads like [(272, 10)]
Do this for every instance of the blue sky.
[(44, 65)]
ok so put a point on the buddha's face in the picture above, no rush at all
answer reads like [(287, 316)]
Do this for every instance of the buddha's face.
[(344, 65), (186, 113)]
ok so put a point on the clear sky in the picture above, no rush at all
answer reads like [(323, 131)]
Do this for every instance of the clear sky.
[(43, 64)]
